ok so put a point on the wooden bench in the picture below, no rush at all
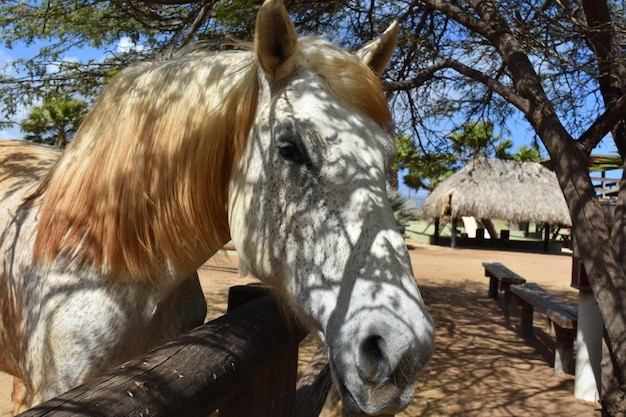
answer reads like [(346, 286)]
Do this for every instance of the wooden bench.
[(563, 317), (501, 278)]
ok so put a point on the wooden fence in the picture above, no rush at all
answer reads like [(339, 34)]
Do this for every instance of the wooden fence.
[(243, 363)]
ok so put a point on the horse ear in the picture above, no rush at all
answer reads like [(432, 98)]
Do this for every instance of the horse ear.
[(275, 40), (378, 53)]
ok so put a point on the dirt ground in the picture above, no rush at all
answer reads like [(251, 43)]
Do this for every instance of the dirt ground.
[(481, 367)]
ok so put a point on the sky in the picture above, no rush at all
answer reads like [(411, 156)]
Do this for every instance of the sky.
[(21, 51)]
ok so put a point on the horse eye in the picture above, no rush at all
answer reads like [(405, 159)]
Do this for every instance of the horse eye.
[(290, 152)]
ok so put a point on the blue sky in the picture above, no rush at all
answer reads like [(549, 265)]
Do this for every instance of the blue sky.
[(21, 51)]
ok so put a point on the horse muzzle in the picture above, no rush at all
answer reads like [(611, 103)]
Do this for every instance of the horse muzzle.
[(374, 365)]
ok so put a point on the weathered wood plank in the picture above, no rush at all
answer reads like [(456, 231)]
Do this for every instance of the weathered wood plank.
[(558, 311), (501, 277), (314, 385), (502, 273), (190, 376), (564, 359)]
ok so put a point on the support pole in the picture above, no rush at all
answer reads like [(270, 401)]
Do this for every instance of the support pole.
[(453, 235), (588, 348)]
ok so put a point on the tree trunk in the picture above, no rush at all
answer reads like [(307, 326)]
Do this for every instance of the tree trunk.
[(611, 78), (393, 178), (611, 70), (603, 260), (571, 164)]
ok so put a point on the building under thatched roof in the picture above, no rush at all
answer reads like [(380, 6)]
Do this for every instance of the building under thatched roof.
[(496, 189)]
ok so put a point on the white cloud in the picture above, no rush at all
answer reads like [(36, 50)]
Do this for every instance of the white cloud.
[(5, 58), (52, 68), (125, 44), (6, 69), (14, 131)]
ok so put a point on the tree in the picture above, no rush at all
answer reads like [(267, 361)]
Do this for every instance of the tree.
[(64, 26), (527, 154), (472, 140), (55, 122), (424, 170)]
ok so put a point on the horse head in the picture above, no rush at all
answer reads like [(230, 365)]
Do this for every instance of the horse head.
[(309, 213)]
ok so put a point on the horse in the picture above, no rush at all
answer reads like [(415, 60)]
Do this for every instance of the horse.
[(281, 146)]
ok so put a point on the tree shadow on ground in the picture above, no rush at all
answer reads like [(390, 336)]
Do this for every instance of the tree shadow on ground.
[(482, 366)]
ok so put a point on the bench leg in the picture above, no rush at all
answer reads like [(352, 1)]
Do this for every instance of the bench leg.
[(564, 351), (508, 299), (493, 288), (526, 319)]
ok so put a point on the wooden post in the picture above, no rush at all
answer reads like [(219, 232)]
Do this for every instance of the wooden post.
[(314, 385), (272, 391), (453, 236), (526, 319), (564, 351), (508, 299), (493, 287)]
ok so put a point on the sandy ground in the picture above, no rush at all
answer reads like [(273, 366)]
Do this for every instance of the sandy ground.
[(481, 367)]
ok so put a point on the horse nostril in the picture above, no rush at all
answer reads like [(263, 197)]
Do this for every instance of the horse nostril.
[(373, 365)]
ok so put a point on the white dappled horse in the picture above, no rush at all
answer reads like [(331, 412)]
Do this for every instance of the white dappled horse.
[(283, 148)]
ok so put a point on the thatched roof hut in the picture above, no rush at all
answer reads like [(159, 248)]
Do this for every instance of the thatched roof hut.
[(496, 189)]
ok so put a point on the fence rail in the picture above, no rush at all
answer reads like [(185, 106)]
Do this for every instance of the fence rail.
[(213, 366), (606, 188)]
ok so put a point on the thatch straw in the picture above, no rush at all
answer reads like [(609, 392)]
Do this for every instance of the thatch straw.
[(496, 189)]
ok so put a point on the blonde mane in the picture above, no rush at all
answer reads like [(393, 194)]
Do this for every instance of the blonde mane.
[(145, 179)]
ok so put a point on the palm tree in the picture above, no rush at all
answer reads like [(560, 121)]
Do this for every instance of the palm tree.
[(55, 122)]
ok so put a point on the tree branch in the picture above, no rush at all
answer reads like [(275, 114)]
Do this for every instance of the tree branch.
[(198, 21), (604, 42), (459, 15), (603, 125), (489, 82), (168, 2)]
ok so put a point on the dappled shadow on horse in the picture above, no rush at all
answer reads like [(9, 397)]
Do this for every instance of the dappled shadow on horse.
[(282, 147)]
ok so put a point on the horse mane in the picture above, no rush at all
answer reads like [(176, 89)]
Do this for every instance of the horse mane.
[(145, 181)]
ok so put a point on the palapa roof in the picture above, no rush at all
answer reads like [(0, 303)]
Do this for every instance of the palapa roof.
[(497, 189)]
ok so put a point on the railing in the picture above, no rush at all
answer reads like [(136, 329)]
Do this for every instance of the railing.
[(243, 363), (606, 188)]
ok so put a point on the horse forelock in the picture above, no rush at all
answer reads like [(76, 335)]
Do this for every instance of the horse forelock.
[(346, 77), (145, 180)]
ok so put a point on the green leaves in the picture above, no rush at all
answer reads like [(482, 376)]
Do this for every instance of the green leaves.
[(55, 122), (427, 168), (424, 169), (57, 30)]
